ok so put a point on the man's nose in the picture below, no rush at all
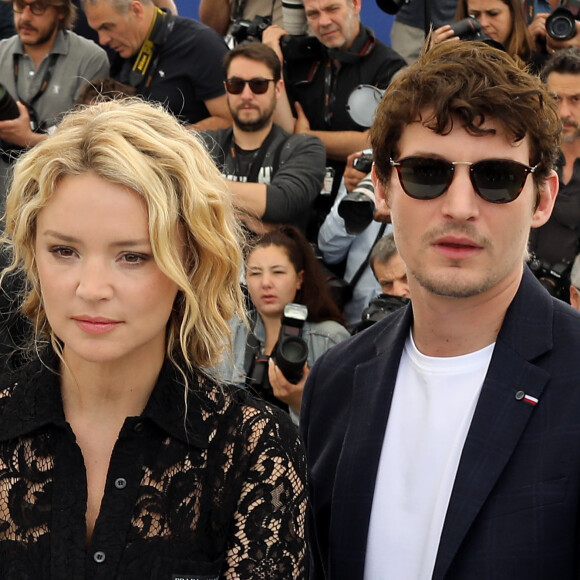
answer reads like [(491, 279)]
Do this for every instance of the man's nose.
[(460, 200), (401, 288)]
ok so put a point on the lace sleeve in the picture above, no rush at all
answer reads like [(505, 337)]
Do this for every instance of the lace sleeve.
[(267, 539)]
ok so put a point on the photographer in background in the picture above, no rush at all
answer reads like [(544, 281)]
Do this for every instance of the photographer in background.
[(555, 245), (391, 274), (222, 14), (553, 24), (281, 268), (43, 67), (342, 244), (319, 79), (274, 176), (502, 21)]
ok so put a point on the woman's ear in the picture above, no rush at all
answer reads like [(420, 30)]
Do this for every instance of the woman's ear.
[(300, 279)]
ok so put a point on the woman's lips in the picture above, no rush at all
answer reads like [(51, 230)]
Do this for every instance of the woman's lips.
[(96, 325)]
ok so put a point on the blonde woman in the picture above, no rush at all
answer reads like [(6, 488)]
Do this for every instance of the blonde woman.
[(119, 458)]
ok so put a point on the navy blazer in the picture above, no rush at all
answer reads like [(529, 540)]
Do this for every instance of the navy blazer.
[(514, 508)]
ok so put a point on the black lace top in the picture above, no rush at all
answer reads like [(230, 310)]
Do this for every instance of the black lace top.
[(224, 498)]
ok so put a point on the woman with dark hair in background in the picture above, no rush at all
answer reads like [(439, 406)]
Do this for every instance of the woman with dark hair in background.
[(281, 269)]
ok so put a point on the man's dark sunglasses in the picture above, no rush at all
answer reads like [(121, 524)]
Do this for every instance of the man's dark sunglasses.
[(495, 180), (258, 86), (37, 8)]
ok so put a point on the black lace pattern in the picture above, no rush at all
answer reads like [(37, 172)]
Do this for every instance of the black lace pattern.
[(221, 495)]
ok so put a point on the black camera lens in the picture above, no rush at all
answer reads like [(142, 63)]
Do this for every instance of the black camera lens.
[(467, 29), (561, 24), (290, 356), (8, 106)]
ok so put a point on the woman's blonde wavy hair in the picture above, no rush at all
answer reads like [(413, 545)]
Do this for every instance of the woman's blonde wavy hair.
[(144, 148)]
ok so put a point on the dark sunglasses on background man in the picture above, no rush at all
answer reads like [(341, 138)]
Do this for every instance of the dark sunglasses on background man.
[(495, 180), (236, 85)]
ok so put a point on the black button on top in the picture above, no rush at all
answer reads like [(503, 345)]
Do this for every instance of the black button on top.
[(120, 483), (520, 395), (99, 557), (138, 427)]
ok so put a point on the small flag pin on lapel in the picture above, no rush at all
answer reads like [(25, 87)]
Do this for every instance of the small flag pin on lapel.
[(521, 396)]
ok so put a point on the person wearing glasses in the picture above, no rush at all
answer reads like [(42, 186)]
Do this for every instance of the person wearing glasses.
[(43, 67), (167, 58), (555, 245), (273, 176), (319, 79), (443, 441)]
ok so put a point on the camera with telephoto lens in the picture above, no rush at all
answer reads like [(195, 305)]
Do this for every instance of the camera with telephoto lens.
[(469, 29), (357, 208), (294, 17), (561, 24), (243, 29), (8, 106), (555, 278)]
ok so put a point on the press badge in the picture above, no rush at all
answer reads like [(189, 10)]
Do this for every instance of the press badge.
[(328, 181)]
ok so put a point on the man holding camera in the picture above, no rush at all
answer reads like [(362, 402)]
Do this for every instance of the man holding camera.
[(443, 441), (173, 60), (321, 75), (556, 244), (43, 68), (274, 176), (221, 14)]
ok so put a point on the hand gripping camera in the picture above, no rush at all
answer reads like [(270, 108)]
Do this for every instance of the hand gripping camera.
[(561, 24), (8, 106), (289, 354)]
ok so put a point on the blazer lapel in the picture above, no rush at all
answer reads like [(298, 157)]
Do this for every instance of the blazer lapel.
[(374, 382), (501, 414)]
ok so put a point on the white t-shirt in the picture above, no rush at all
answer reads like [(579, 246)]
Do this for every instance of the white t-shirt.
[(432, 408)]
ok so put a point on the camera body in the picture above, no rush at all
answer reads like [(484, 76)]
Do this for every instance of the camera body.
[(561, 24), (291, 351), (243, 29), (555, 278), (8, 107), (290, 354), (364, 163), (380, 307)]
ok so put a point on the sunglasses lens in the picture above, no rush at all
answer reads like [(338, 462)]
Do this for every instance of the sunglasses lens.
[(259, 86), (235, 86), (499, 180), (423, 178)]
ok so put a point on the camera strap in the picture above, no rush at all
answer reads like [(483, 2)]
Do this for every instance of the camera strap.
[(253, 345), (337, 57), (258, 157), (354, 280), (145, 64), (52, 58)]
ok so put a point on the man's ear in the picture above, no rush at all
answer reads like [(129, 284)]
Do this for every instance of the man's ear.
[(548, 192), (356, 6), (383, 211), (136, 8)]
